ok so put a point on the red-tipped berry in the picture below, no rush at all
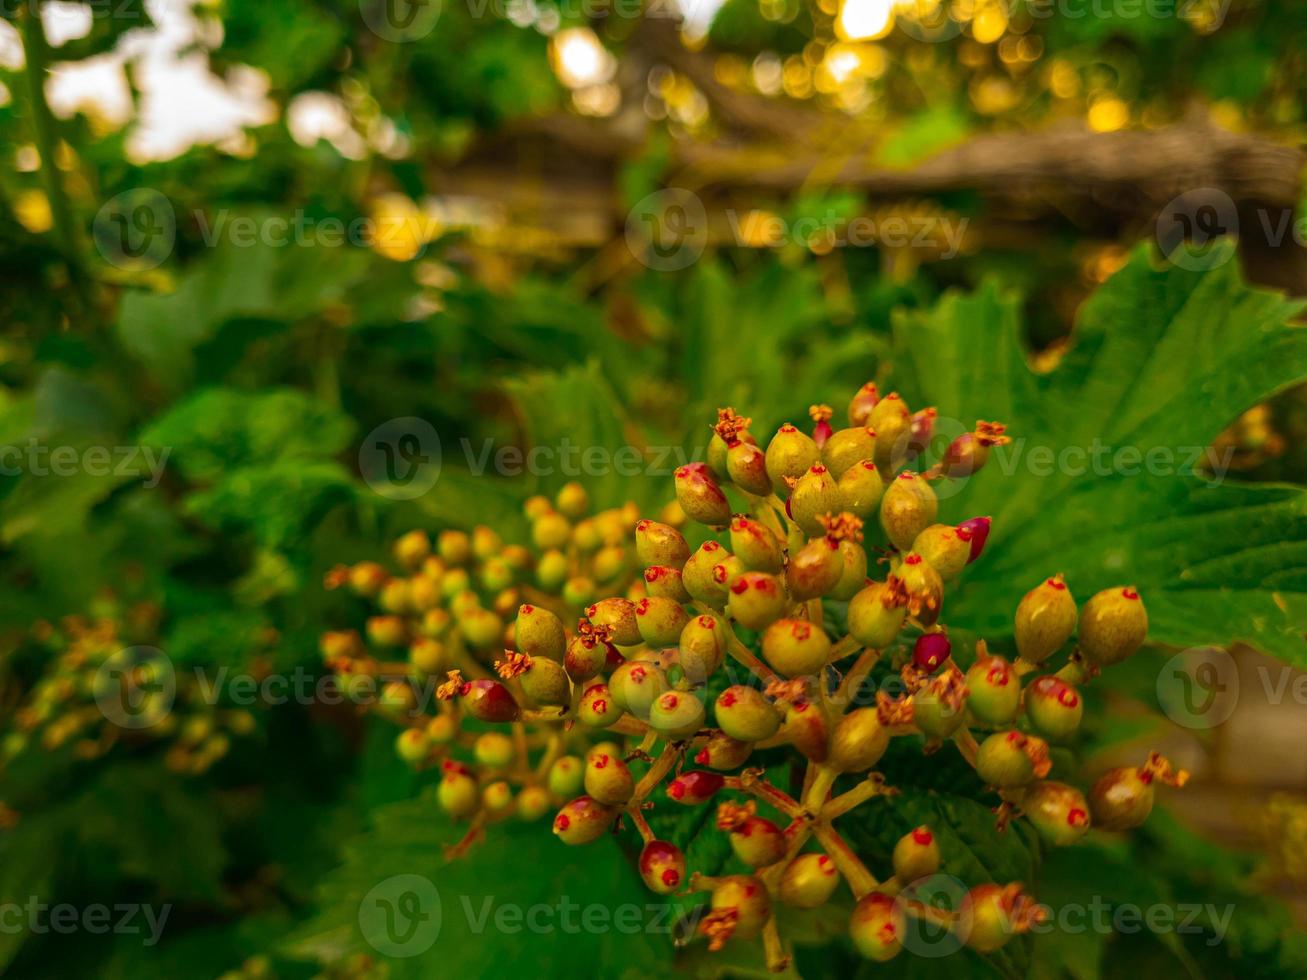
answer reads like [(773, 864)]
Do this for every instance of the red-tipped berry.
[(1054, 707), (976, 532), (660, 621), (789, 455), (796, 647), (756, 545), (756, 600), (877, 927), (745, 714), (677, 714), (1113, 625), (916, 855), (908, 508), (861, 488), (662, 866), (722, 752), (694, 787), (858, 741), (815, 495), (755, 840), (1122, 798), (847, 447), (1046, 618), (607, 779), (597, 707), (995, 689), (1058, 811), (583, 820), (1007, 760), (660, 544), (700, 496), (808, 881), (877, 613)]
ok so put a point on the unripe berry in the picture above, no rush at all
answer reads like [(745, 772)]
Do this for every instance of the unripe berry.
[(493, 749), (862, 403), (743, 713), (551, 530), (697, 574), (454, 547), (428, 656), (747, 898), (412, 549), (853, 576), (877, 926), (412, 745), (861, 488), (536, 505), (1058, 811), (540, 633), (876, 614), (931, 650), (723, 752), (551, 571), (756, 600), (700, 496), (976, 532), (454, 581), (543, 681), (387, 631), (815, 495), (947, 553), (457, 793), (578, 591), (394, 597), (660, 544), (990, 915), (756, 545), (995, 690), (583, 820), (496, 575), (635, 685), (664, 582), (916, 855), (609, 562), (808, 881), (597, 708), (1122, 798), (846, 447), (481, 628), (587, 654), (660, 621), (892, 422), (1054, 707), (694, 787), (939, 709), (618, 614), (858, 741), (423, 593), (924, 587), (796, 647), (746, 465), (488, 700), (1113, 625), (968, 453), (573, 501), (676, 715), (702, 648), (815, 569), (442, 729), (532, 803), (908, 508), (607, 779), (566, 776), (789, 455), (1007, 760), (921, 431), (1046, 618), (808, 729), (497, 799), (587, 536), (662, 866), (755, 840)]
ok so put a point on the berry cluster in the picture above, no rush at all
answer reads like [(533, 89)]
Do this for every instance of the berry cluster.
[(94, 692), (736, 646)]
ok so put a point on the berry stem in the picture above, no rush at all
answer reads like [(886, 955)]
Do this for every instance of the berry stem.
[(777, 959), (873, 785), (967, 745), (553, 750), (751, 781), (855, 676), (843, 648), (816, 792), (1076, 671), (641, 824), (861, 881), (670, 755), (746, 657), (519, 747)]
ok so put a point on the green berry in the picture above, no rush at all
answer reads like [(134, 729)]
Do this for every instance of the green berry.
[(497, 799), (892, 422), (743, 713), (756, 545), (723, 752), (944, 549), (660, 621), (862, 404), (939, 709), (808, 881), (609, 562), (413, 745), (858, 741), (662, 866), (1054, 707), (1122, 798), (908, 507), (496, 575), (876, 614), (815, 495), (532, 803), (635, 685), (1058, 811), (540, 633), (1008, 760), (428, 656), (756, 600), (808, 729), (924, 587), (566, 776), (756, 841), (746, 465), (702, 647), (493, 749), (877, 926), (587, 654), (676, 715), (664, 581), (551, 571), (846, 447), (583, 820), (387, 631), (746, 897), (572, 500), (457, 793), (987, 915), (619, 614), (454, 547), (1113, 625), (995, 690), (699, 495), (916, 855), (789, 455), (1046, 618), (578, 591), (660, 544), (551, 530), (861, 488), (796, 647), (442, 729), (853, 576), (597, 707), (815, 569), (481, 628), (697, 574), (545, 682), (607, 779)]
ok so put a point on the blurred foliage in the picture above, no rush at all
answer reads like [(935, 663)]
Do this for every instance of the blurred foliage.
[(252, 376)]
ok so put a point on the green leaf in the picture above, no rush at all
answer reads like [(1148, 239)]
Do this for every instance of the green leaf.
[(1162, 360)]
